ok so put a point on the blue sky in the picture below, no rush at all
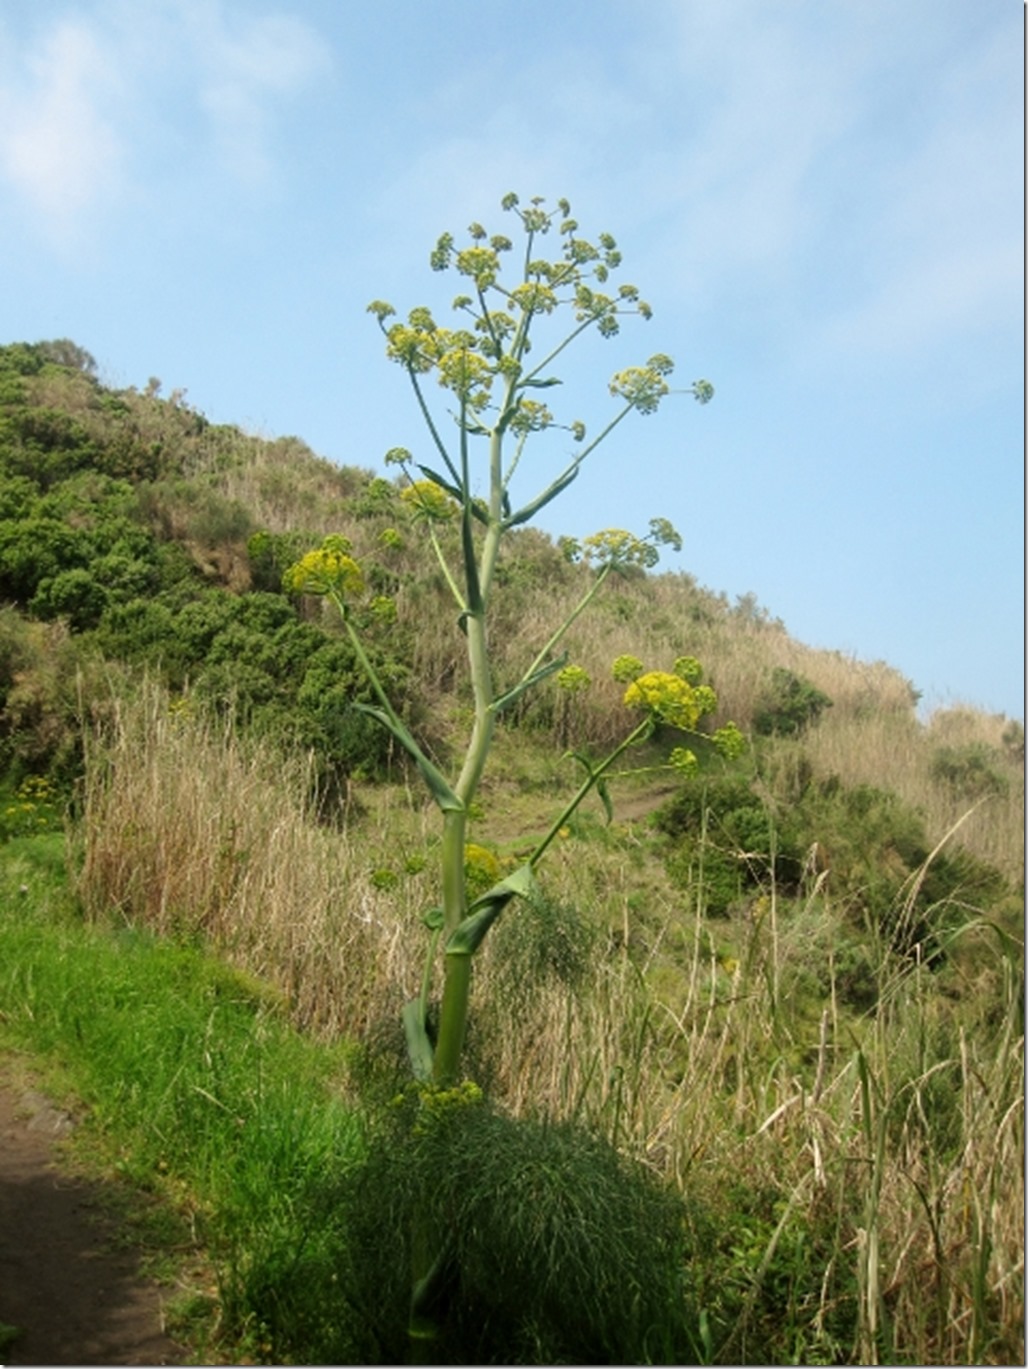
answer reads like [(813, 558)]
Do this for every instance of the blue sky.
[(822, 203)]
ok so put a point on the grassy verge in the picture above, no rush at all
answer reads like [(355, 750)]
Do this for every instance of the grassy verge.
[(196, 1090)]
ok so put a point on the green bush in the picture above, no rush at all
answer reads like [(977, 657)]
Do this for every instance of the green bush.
[(726, 839), (969, 771), (75, 595), (788, 705)]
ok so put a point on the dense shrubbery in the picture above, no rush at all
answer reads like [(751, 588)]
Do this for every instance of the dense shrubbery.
[(558, 1250), (788, 705), (868, 848), (123, 551)]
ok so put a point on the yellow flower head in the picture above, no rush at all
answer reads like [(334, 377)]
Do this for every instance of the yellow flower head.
[(329, 570), (481, 869), (573, 679), (668, 698), (427, 501), (683, 760), (626, 668)]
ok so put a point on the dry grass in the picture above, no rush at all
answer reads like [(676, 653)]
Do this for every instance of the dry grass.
[(896, 1139)]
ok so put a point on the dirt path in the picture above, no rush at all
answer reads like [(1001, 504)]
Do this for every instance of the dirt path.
[(73, 1297)]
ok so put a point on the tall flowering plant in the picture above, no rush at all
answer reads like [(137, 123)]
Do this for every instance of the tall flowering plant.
[(496, 366), (519, 308)]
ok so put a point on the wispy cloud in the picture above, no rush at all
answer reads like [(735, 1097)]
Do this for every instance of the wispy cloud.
[(60, 145), (245, 66), (826, 173), (86, 100)]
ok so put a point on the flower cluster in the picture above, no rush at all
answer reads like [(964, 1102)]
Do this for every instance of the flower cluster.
[(620, 548), (626, 669), (481, 869), (427, 1106), (689, 668), (669, 699), (573, 679), (427, 502), (729, 741), (644, 386), (438, 1105), (468, 362), (328, 570), (683, 760), (35, 809)]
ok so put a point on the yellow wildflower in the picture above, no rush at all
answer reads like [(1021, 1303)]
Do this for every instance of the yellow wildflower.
[(481, 869), (427, 501), (329, 569), (669, 698)]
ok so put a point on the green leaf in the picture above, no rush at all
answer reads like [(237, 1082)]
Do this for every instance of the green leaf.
[(540, 384), (604, 793), (530, 510), (541, 674), (433, 919), (466, 938), (419, 1047), (437, 784)]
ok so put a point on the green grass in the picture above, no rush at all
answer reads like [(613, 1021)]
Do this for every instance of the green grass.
[(195, 1088), (846, 1175)]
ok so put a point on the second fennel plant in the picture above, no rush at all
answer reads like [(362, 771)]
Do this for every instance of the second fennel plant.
[(512, 301)]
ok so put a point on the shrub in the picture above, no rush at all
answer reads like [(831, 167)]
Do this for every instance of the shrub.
[(72, 594), (725, 835), (969, 771), (788, 705)]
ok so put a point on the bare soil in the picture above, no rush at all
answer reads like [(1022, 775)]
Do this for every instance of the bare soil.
[(70, 1293)]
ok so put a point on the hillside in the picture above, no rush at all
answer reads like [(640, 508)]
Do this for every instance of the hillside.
[(134, 532), (789, 981)]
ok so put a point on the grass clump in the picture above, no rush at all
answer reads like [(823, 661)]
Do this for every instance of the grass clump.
[(556, 1249)]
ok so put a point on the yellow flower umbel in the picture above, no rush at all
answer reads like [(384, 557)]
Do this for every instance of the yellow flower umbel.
[(667, 698), (481, 869), (427, 501), (328, 570)]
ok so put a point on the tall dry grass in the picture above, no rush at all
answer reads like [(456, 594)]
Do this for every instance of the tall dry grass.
[(886, 1147), (189, 832)]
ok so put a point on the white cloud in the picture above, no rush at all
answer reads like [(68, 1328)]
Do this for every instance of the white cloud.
[(60, 147), (245, 66), (86, 102), (848, 174)]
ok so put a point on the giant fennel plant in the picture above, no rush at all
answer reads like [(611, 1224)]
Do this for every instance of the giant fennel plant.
[(519, 309)]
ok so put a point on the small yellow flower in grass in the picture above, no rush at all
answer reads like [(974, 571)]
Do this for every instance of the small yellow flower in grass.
[(330, 569), (668, 698)]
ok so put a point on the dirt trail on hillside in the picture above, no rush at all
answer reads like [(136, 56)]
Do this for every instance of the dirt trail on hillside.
[(71, 1294)]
